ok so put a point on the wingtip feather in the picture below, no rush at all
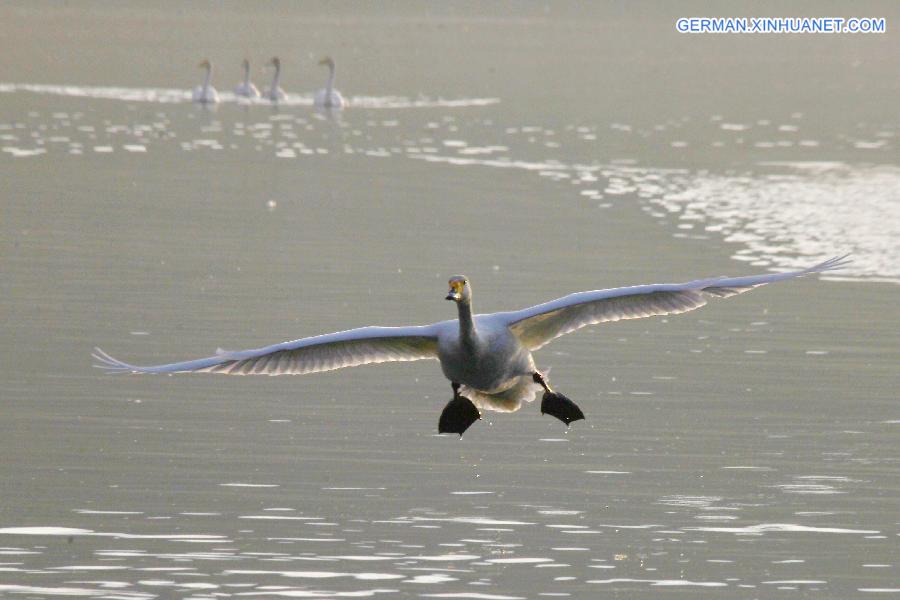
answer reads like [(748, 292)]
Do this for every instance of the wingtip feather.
[(832, 264), (110, 364)]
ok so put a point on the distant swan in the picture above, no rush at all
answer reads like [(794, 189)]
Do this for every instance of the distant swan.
[(206, 94), (328, 97), (275, 93), (246, 88), (486, 357)]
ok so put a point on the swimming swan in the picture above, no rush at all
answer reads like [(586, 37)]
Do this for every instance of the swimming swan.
[(275, 93), (487, 358), (328, 97), (246, 89), (205, 93)]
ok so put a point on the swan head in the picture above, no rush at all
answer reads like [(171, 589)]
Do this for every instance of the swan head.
[(205, 64), (327, 61), (460, 290), (245, 64), (275, 62)]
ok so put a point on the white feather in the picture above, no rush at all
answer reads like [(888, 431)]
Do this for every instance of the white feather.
[(491, 359)]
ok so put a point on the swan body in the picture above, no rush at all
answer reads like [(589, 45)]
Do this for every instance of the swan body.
[(275, 93), (487, 357), (328, 97), (205, 93), (246, 89)]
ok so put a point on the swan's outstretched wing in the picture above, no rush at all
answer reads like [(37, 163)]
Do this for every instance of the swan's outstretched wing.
[(309, 355), (539, 324)]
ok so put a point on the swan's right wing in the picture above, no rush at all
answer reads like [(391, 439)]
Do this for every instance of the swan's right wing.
[(308, 355)]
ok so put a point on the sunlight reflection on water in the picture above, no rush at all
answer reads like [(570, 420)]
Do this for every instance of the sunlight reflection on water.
[(174, 95), (779, 214), (776, 214)]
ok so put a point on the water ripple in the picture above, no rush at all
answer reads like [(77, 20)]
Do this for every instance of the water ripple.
[(178, 95), (780, 528)]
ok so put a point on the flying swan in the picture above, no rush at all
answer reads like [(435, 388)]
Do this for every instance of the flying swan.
[(205, 93), (487, 358)]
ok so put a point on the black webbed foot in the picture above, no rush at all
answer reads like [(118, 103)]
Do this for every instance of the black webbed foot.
[(458, 415), (562, 408)]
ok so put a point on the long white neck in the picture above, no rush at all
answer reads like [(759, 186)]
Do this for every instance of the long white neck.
[(247, 75), (467, 331), (276, 78), (329, 86), (207, 78)]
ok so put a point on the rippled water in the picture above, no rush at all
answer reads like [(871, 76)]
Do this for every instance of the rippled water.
[(748, 448), (783, 214), (170, 96)]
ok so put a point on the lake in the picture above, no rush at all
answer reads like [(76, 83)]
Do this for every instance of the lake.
[(749, 447)]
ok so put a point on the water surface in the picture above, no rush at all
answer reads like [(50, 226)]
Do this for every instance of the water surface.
[(745, 449)]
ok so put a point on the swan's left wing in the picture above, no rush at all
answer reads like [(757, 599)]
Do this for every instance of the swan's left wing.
[(538, 325), (308, 355)]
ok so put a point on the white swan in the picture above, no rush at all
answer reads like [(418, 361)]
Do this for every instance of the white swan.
[(487, 358), (246, 89), (328, 97), (205, 93), (275, 93)]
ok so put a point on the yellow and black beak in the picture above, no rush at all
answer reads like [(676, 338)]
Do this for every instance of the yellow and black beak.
[(455, 291)]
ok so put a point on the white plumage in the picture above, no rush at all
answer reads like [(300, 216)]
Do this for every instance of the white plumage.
[(205, 93), (488, 355), (328, 97), (275, 93), (246, 89)]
